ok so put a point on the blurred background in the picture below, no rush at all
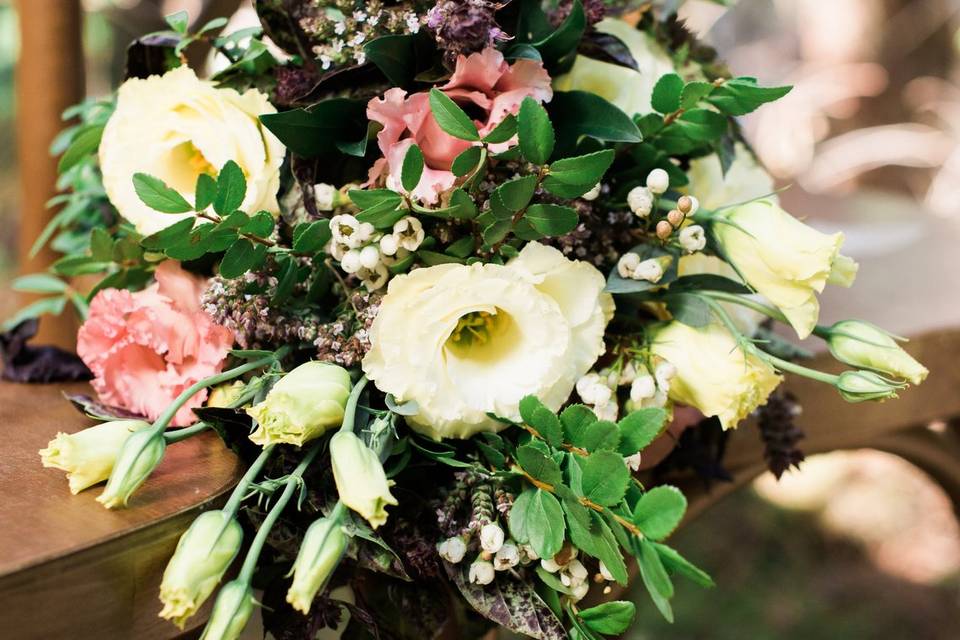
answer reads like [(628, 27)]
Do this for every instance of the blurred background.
[(859, 543)]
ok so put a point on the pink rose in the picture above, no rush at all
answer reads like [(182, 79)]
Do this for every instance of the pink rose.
[(482, 82), (145, 348)]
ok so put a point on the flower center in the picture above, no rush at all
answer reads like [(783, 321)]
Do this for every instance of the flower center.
[(476, 333), (184, 163)]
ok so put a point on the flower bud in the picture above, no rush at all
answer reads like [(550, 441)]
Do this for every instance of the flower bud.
[(231, 612), (664, 230), (642, 388), (608, 410), (861, 344), (627, 264), (693, 238), (369, 257), (650, 270), (88, 456), (640, 201), (323, 546), (843, 271), (203, 554), (351, 262), (859, 386), (303, 405), (223, 395), (491, 537), (389, 245), (605, 572), (663, 373), (360, 479), (141, 453), (452, 549), (481, 572), (688, 205), (593, 194), (633, 461), (675, 218), (325, 196), (658, 181), (507, 557)]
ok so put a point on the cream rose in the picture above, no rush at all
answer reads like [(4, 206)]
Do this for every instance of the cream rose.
[(712, 373), (783, 259), (465, 341), (175, 127), (743, 181), (628, 89)]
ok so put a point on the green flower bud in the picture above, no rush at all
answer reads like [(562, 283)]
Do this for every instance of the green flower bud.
[(141, 453), (88, 456), (231, 612), (360, 479), (859, 386), (203, 554), (303, 405), (861, 344), (323, 545)]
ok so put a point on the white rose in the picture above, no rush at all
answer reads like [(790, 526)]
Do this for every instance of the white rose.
[(463, 341), (175, 127)]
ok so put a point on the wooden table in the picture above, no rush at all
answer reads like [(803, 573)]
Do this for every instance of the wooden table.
[(69, 568)]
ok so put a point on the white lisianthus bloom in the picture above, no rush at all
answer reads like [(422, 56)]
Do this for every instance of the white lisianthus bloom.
[(175, 127), (463, 341), (712, 373), (746, 320), (88, 456), (628, 89), (783, 259), (745, 180)]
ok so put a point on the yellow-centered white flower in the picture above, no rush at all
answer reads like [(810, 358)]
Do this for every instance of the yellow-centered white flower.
[(783, 259), (88, 456), (464, 341), (175, 127), (712, 373)]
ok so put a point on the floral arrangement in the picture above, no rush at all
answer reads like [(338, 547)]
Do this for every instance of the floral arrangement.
[(445, 275)]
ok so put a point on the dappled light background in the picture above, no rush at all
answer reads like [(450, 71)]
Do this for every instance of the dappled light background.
[(856, 544)]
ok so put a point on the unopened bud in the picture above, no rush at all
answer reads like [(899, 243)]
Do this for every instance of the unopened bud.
[(650, 270), (593, 194), (658, 181), (507, 557), (491, 537), (688, 205), (627, 264), (452, 549), (675, 218), (859, 386), (370, 256), (640, 201), (351, 261), (481, 572), (140, 455), (664, 230), (231, 612), (693, 238), (323, 546)]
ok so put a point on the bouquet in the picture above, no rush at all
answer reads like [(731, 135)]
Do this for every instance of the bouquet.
[(443, 274)]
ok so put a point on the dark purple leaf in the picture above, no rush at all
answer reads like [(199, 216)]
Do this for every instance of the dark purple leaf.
[(607, 48), (95, 409), (151, 55), (23, 362)]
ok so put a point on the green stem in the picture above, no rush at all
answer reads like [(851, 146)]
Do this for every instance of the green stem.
[(240, 491), (182, 434), (236, 372), (253, 554), (765, 309), (350, 410)]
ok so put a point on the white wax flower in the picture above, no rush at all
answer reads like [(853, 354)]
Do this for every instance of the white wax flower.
[(650, 270), (452, 549), (627, 264), (481, 572), (693, 238), (491, 537), (658, 181), (640, 201)]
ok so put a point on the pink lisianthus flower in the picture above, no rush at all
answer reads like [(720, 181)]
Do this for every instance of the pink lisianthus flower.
[(146, 347), (481, 82)]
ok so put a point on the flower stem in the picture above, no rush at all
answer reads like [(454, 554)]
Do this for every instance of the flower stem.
[(350, 410), (240, 491), (230, 374), (182, 434), (290, 485)]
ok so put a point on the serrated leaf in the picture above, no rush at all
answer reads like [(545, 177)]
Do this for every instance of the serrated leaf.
[(101, 245), (451, 118), (503, 132), (382, 216), (675, 563), (740, 96), (655, 579), (609, 618), (537, 519), (576, 419), (551, 219), (169, 236), (205, 191), (639, 428), (535, 414), (466, 161), (260, 225), (591, 534), (369, 198), (535, 132), (310, 237), (495, 230), (84, 143), (231, 189), (154, 193), (538, 465), (659, 511), (412, 168), (666, 93), (242, 256), (39, 283), (602, 434), (693, 93), (605, 477), (516, 194), (581, 170)]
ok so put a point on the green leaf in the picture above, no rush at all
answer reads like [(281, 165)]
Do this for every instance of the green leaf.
[(655, 578), (562, 42), (535, 132), (234, 220), (537, 519), (689, 308), (591, 534), (205, 192), (39, 283), (52, 306), (178, 21), (322, 129), (286, 281), (609, 618), (616, 284), (451, 118), (311, 237), (382, 216), (699, 125), (466, 207), (231, 189), (431, 258), (675, 563), (395, 56), (599, 435), (154, 193), (101, 245), (708, 282), (538, 416), (576, 419), (605, 477), (412, 168), (84, 143), (693, 93), (659, 511), (666, 93), (260, 225), (466, 161), (551, 219), (587, 169), (516, 194), (242, 256), (581, 113), (213, 25), (639, 428), (503, 132), (369, 198), (494, 230), (740, 96), (462, 248), (538, 465), (169, 236)]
